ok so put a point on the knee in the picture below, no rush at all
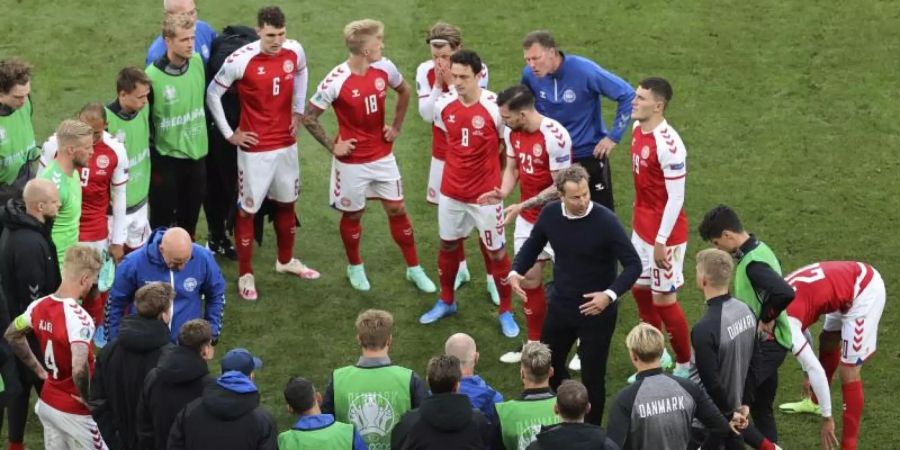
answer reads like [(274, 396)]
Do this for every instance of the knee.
[(354, 216), (849, 374), (449, 246), (394, 208), (497, 255), (829, 340)]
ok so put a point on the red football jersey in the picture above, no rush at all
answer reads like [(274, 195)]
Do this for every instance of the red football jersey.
[(538, 155), (826, 287), (358, 102), (57, 323), (270, 88), (473, 137), (108, 168), (656, 157), (424, 86)]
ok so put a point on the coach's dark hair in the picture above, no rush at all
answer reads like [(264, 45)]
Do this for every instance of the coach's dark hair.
[(444, 373), (718, 220), (468, 58), (13, 72), (270, 15), (572, 400), (195, 334), (128, 79), (516, 98), (660, 87), (542, 37), (574, 173), (300, 394)]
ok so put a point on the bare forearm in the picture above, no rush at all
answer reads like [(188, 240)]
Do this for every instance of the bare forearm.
[(543, 197), (510, 177), (19, 344), (311, 123), (80, 371), (402, 106)]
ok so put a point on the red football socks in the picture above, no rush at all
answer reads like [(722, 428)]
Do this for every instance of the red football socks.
[(16, 446), (853, 406), (500, 272), (767, 445), (486, 254), (646, 310), (448, 266), (679, 332), (285, 231), (830, 360), (351, 231), (402, 232), (243, 236), (535, 311)]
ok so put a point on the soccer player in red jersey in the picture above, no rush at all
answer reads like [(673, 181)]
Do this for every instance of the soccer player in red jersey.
[(659, 224), (271, 77), (63, 330), (363, 164), (851, 296), (470, 119), (433, 79), (536, 148)]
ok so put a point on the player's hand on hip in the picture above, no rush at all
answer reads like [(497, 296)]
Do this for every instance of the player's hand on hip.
[(296, 118), (659, 256), (829, 440), (343, 148), (493, 197), (116, 252), (597, 303), (390, 133), (515, 282), (244, 139), (604, 148), (511, 212)]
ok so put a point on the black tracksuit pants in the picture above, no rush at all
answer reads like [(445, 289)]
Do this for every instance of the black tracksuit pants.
[(763, 380), (177, 189), (564, 324), (600, 180), (221, 183)]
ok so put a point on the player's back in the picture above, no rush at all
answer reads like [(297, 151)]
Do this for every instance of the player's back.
[(826, 287), (265, 87), (473, 138), (57, 323), (656, 157)]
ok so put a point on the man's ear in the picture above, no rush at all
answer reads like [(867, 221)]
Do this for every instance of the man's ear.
[(318, 398), (588, 409)]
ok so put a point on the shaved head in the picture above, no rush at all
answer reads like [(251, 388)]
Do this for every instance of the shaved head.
[(41, 199), (179, 6), (462, 346), (176, 247)]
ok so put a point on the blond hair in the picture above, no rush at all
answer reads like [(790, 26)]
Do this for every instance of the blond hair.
[(536, 361), (374, 328), (173, 22), (358, 32), (646, 342), (716, 267), (442, 34), (70, 131), (80, 261)]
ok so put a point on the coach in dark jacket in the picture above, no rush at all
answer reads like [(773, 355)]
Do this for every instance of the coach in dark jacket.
[(228, 416), (29, 270), (445, 420), (177, 380), (123, 365), (589, 243)]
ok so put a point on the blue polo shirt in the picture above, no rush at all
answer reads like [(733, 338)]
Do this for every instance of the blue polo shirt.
[(571, 95), (202, 44)]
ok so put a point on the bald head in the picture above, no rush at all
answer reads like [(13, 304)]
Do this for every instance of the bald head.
[(462, 346), (179, 7), (41, 199), (176, 247)]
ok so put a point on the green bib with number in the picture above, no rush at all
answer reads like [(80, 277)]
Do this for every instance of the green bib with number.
[(179, 121)]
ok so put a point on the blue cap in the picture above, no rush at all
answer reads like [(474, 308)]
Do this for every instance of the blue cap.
[(241, 360)]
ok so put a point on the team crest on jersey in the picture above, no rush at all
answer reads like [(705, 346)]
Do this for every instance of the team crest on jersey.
[(478, 122), (645, 152), (373, 415), (103, 161), (169, 93), (379, 84), (288, 66), (569, 96), (345, 202), (120, 136), (537, 150), (190, 284), (248, 202)]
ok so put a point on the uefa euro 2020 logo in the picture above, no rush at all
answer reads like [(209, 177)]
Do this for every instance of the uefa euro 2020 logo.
[(374, 417)]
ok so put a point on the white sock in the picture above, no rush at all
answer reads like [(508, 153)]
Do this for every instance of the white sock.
[(463, 265), (685, 366)]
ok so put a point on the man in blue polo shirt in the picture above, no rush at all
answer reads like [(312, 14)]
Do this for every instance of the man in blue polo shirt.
[(568, 89), (203, 39)]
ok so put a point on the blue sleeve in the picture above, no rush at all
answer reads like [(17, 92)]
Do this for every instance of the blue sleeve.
[(214, 292), (157, 50), (358, 442), (614, 88), (120, 296)]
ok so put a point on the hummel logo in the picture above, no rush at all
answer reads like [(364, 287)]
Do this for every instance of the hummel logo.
[(599, 187), (260, 70), (356, 93), (451, 118)]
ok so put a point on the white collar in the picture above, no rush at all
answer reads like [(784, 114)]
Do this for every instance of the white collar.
[(572, 217)]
